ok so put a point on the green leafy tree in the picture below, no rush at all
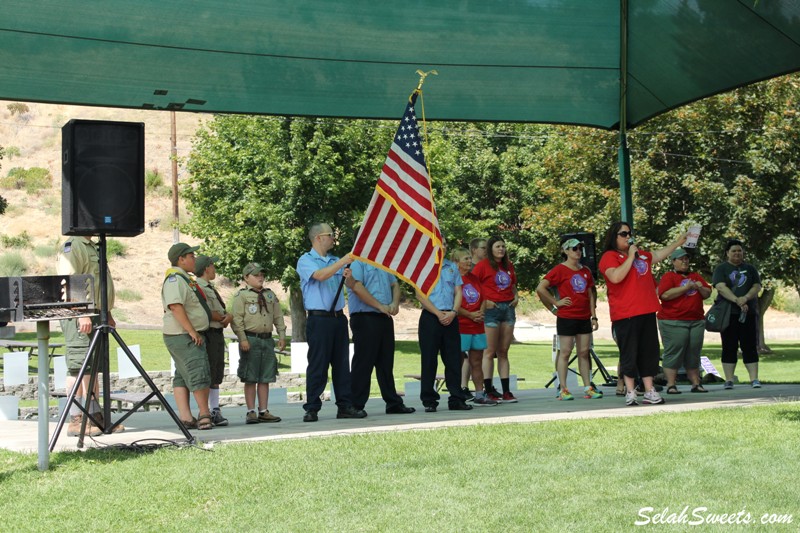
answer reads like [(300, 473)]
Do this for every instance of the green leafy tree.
[(257, 183)]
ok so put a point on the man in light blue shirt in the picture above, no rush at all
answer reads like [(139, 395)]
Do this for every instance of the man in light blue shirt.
[(438, 332), (326, 328), (374, 298)]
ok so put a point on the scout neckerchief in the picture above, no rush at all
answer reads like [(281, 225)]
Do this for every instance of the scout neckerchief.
[(262, 303), (192, 285), (221, 301)]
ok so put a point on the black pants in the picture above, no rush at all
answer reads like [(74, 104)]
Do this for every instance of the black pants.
[(637, 339), (373, 347), (740, 334), (328, 345), (433, 339)]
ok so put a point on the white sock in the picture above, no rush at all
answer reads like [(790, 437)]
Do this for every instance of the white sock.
[(213, 399)]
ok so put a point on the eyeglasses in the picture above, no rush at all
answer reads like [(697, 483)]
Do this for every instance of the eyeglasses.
[(323, 234), (625, 234), (575, 248)]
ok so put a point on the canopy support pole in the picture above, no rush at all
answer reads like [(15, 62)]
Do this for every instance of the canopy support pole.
[(624, 157)]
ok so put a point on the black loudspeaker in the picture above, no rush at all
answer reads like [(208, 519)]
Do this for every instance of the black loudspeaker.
[(102, 178), (589, 258)]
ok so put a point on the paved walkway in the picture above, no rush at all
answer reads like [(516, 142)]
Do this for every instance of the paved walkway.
[(535, 405)]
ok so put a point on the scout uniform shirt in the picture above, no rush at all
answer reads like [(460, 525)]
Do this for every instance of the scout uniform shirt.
[(214, 304), (176, 290), (79, 255), (247, 317)]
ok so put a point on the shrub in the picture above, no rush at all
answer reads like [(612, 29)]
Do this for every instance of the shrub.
[(12, 152), (46, 250), (128, 295), (116, 248), (12, 264), (17, 108), (23, 240), (31, 179), (154, 183)]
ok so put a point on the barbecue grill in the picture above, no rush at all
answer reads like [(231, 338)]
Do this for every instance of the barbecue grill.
[(39, 298)]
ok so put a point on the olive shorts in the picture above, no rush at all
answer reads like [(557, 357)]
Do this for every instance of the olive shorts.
[(259, 364), (191, 362)]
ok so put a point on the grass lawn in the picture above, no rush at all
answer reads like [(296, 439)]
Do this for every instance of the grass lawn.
[(578, 475)]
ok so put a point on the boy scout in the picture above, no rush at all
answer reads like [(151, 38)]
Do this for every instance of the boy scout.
[(255, 311), (186, 317), (206, 272)]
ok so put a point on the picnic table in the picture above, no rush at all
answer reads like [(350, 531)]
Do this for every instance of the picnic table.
[(30, 347)]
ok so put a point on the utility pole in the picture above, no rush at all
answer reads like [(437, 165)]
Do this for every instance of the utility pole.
[(176, 232)]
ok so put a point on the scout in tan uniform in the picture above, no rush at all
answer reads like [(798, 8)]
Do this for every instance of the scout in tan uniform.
[(206, 272), (186, 317), (255, 311), (79, 255)]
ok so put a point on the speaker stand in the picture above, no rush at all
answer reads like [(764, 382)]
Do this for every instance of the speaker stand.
[(98, 354)]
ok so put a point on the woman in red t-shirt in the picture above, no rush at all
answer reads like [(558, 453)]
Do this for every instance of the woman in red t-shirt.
[(574, 305), (499, 286), (470, 323), (633, 304), (681, 320)]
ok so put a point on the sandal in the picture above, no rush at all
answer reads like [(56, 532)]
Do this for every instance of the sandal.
[(190, 424), (672, 389), (698, 388), (204, 422)]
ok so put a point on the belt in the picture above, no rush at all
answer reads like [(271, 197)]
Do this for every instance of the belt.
[(259, 335), (375, 313), (315, 312), (211, 328), (442, 310)]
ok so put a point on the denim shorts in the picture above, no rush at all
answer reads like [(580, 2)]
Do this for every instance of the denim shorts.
[(502, 312)]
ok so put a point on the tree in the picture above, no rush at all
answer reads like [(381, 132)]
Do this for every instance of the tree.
[(257, 183)]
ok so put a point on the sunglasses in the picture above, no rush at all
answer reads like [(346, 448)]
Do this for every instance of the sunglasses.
[(625, 234), (575, 248)]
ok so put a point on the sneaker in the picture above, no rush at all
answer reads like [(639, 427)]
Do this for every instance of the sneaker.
[(494, 396), (652, 397), (631, 399), (483, 401), (509, 398), (251, 417), (217, 419), (728, 385), (590, 393), (468, 396), (756, 384), (565, 395), (265, 416)]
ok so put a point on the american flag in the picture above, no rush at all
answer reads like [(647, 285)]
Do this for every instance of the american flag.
[(400, 232)]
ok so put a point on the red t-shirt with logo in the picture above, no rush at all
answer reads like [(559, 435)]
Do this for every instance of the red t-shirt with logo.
[(636, 294), (574, 284), (471, 299), (496, 285), (687, 306)]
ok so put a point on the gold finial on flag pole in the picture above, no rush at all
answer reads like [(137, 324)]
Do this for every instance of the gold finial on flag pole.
[(423, 75)]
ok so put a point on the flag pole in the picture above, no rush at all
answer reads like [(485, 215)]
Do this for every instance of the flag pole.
[(422, 76)]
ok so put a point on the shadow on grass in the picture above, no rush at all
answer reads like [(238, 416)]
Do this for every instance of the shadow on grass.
[(786, 414), (27, 463)]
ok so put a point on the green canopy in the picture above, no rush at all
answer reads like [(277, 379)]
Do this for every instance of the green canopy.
[(553, 61)]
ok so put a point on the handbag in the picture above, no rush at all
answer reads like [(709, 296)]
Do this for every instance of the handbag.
[(718, 316)]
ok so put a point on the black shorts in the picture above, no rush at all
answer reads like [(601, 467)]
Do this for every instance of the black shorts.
[(569, 327)]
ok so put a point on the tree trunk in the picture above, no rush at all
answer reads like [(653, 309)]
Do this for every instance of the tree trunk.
[(764, 302), (298, 312)]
